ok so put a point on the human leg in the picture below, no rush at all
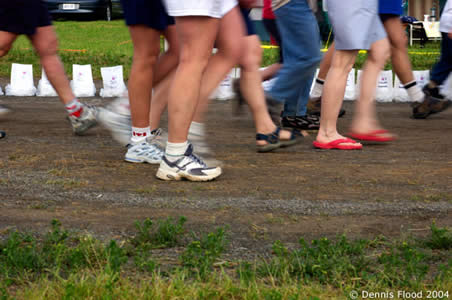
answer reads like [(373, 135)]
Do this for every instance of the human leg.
[(45, 42)]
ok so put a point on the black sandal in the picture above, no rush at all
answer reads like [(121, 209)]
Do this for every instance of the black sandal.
[(274, 141)]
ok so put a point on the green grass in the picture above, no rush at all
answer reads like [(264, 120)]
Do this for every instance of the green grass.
[(67, 265), (103, 44)]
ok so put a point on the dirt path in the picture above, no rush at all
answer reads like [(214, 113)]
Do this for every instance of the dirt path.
[(46, 172)]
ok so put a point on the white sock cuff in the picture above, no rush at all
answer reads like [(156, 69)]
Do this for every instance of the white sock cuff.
[(176, 149), (414, 91), (140, 134), (197, 129)]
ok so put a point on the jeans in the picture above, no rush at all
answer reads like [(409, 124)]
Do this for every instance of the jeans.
[(301, 50), (443, 67)]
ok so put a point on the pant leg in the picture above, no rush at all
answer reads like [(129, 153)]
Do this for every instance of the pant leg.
[(443, 67), (301, 50)]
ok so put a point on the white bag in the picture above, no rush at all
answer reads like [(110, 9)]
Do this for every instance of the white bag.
[(400, 93), (82, 83), (21, 81), (224, 91), (1, 92), (113, 80), (45, 88), (384, 91), (350, 88)]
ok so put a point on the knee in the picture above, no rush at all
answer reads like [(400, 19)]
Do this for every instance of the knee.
[(47, 48), (145, 59), (252, 57), (381, 54), (193, 59), (399, 44)]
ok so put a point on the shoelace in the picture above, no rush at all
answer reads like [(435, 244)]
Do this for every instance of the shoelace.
[(197, 160)]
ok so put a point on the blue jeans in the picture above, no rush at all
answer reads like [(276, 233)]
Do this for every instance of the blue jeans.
[(443, 67), (301, 51)]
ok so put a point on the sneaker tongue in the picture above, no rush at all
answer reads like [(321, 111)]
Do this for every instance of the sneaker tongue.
[(189, 150)]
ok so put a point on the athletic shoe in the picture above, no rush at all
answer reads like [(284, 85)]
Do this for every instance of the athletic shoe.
[(308, 122), (116, 118), (203, 149), (314, 107), (87, 120), (274, 109), (4, 110), (432, 92), (430, 105), (2, 134), (189, 166), (149, 151)]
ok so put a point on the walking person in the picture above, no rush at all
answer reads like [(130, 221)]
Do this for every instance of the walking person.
[(440, 71), (146, 20), (301, 53), (39, 30), (356, 26)]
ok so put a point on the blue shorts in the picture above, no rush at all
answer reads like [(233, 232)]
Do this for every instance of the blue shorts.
[(248, 23), (23, 16), (390, 7), (151, 13)]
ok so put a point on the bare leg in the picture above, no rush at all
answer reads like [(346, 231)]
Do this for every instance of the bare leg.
[(365, 118), (270, 71), (325, 64), (251, 87), (46, 44), (399, 52), (160, 100), (334, 90), (6, 41), (229, 50), (146, 48), (169, 60), (196, 37)]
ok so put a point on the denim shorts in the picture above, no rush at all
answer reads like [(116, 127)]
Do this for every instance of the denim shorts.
[(151, 13), (23, 16)]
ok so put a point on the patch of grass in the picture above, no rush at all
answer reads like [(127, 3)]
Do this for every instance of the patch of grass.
[(201, 254), (67, 183), (65, 265)]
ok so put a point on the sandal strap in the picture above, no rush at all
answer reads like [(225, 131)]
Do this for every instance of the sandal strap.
[(271, 138)]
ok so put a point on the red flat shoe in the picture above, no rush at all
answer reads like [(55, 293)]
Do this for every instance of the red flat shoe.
[(336, 144), (373, 136)]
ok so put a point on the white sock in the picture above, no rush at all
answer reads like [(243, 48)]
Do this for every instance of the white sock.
[(318, 88), (174, 151), (74, 108), (198, 129), (414, 91), (140, 134)]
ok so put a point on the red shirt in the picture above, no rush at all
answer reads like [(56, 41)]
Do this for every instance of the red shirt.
[(267, 12)]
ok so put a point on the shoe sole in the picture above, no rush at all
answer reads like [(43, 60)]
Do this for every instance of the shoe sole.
[(173, 176), (142, 161)]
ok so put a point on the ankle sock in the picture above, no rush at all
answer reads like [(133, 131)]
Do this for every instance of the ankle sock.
[(198, 129), (74, 108), (318, 88), (140, 134), (414, 91), (174, 151)]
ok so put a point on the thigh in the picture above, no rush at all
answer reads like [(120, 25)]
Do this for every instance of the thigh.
[(146, 41), (44, 40), (396, 33), (7, 39), (145, 12)]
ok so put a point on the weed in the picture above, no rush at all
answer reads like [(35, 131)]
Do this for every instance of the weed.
[(441, 238), (167, 234), (203, 252)]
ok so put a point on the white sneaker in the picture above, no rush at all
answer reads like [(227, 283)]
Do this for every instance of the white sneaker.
[(4, 110), (149, 151), (203, 150), (87, 120), (189, 166), (116, 118)]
